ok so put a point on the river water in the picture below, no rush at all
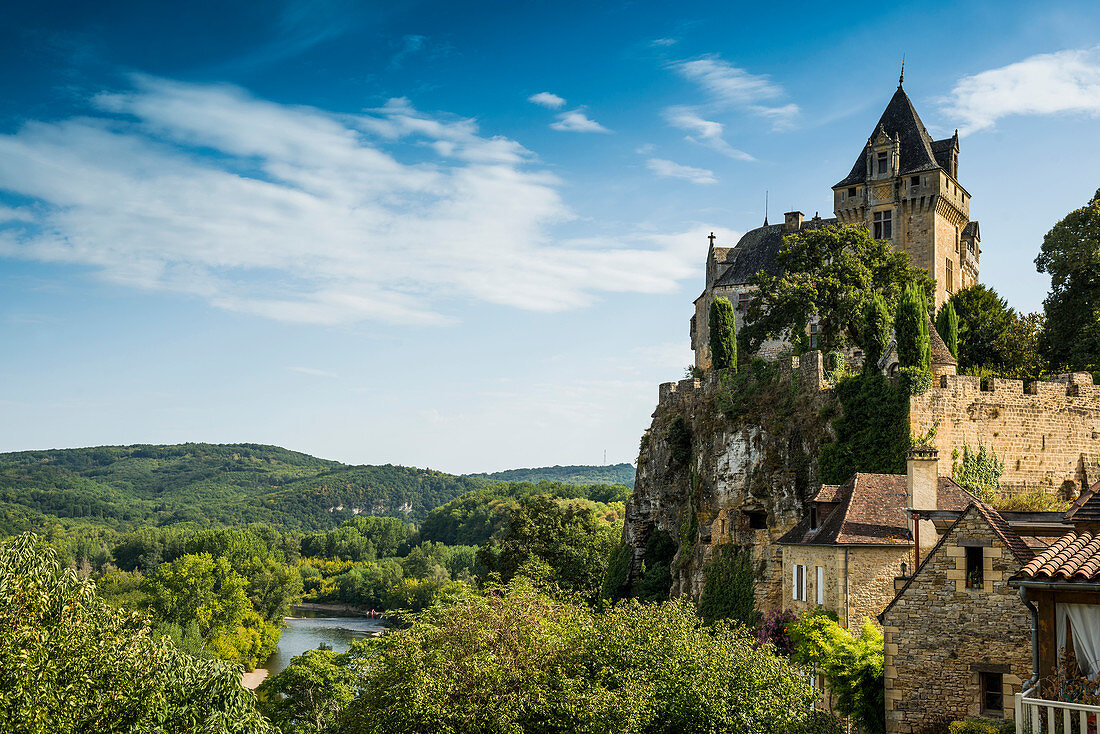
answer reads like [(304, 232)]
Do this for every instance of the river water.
[(309, 630)]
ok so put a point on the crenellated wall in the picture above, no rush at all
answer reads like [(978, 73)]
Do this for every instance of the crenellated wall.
[(1047, 433)]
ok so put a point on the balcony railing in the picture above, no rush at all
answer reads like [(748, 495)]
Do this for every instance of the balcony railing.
[(1036, 715)]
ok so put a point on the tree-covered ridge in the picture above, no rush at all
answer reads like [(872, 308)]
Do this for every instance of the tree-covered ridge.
[(609, 474), (124, 487)]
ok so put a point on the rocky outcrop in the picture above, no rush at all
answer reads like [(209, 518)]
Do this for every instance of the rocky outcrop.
[(731, 460)]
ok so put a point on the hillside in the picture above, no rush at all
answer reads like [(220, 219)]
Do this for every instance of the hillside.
[(124, 487), (609, 474)]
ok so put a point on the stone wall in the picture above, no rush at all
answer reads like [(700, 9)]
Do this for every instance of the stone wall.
[(940, 636), (1047, 435), (870, 580)]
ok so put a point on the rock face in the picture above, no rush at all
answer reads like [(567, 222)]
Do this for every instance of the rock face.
[(731, 460)]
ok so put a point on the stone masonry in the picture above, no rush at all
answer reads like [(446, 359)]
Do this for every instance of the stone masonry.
[(940, 636)]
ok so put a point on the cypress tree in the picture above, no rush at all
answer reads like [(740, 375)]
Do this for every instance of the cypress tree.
[(911, 329), (723, 335), (876, 328), (947, 324)]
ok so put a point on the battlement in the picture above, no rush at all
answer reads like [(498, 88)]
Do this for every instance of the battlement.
[(1047, 433), (809, 369)]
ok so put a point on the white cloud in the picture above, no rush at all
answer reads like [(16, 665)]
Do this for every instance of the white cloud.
[(1045, 84), (704, 132), (730, 86), (410, 45), (664, 42), (313, 372), (670, 169), (297, 214), (547, 99), (577, 122)]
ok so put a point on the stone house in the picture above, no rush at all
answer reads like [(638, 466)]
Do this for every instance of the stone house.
[(858, 537), (957, 637), (903, 188)]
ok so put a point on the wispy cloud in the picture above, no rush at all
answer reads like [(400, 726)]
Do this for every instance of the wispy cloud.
[(703, 132), (301, 215), (671, 169), (410, 45), (576, 121), (1066, 82), (664, 42), (732, 87), (548, 100)]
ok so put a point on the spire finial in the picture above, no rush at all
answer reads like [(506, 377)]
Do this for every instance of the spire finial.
[(765, 207), (901, 77)]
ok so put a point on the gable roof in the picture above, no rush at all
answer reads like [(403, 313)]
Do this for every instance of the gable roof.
[(1019, 549), (1073, 557), (1086, 508), (757, 250), (941, 149), (871, 511), (899, 120)]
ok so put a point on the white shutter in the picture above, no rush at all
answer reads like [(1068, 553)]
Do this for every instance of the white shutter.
[(820, 585), (802, 583), (794, 583)]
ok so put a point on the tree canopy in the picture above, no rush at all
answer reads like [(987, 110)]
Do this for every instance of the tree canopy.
[(1071, 255), (911, 330), (723, 335), (833, 273)]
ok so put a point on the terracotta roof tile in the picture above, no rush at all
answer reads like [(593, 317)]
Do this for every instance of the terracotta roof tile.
[(1073, 557), (870, 511)]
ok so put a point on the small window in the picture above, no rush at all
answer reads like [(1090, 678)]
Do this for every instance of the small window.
[(950, 277), (993, 700), (743, 301), (815, 336), (758, 520), (819, 586), (882, 167), (974, 568), (798, 583), (914, 181), (723, 526), (851, 192), (813, 517), (883, 225)]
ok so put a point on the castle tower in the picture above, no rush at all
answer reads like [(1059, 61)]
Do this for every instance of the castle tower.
[(904, 187)]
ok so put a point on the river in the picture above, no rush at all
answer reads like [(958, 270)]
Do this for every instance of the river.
[(308, 630)]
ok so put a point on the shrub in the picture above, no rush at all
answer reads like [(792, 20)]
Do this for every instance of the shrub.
[(914, 380), (982, 726), (1035, 500), (773, 629), (679, 442), (876, 324), (947, 324)]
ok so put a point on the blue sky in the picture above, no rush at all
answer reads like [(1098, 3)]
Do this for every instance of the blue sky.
[(458, 235)]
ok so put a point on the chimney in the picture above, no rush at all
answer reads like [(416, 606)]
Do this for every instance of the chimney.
[(922, 493), (792, 222)]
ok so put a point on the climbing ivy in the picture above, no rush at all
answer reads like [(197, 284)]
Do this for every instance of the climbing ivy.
[(728, 591), (872, 432), (979, 473), (679, 442)]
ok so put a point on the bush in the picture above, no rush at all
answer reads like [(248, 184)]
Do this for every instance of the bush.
[(979, 473), (679, 442), (876, 324), (1035, 500), (947, 324), (819, 722), (872, 432), (982, 726), (914, 380)]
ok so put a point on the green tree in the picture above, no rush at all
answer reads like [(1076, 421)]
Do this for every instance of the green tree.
[(728, 587), (984, 321), (306, 697), (947, 324), (1071, 255), (830, 273), (853, 666), (877, 325), (723, 335), (69, 662), (515, 660), (911, 329), (568, 539)]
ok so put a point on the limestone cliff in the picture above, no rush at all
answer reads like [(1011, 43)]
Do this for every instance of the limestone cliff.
[(731, 461)]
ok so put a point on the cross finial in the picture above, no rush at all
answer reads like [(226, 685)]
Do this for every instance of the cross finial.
[(711, 238), (901, 77)]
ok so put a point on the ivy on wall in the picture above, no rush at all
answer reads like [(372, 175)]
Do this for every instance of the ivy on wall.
[(872, 432), (728, 587)]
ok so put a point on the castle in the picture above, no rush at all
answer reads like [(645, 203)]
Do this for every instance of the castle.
[(903, 188)]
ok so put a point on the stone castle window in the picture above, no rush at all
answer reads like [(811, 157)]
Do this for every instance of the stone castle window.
[(974, 568), (914, 181), (883, 166), (884, 225), (851, 192), (758, 520), (950, 277), (993, 700)]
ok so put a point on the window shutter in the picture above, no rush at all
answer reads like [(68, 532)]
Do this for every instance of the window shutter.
[(820, 585), (794, 583)]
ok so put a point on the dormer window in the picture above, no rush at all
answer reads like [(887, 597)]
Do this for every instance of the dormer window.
[(851, 192), (813, 517), (882, 164), (914, 181)]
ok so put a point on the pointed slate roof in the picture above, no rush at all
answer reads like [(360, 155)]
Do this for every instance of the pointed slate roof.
[(941, 355), (899, 120), (757, 250), (1086, 508)]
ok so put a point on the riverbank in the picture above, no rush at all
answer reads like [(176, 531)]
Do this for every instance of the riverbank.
[(253, 680), (344, 610)]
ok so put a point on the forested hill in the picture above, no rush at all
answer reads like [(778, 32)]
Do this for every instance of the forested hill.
[(609, 474), (124, 487)]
